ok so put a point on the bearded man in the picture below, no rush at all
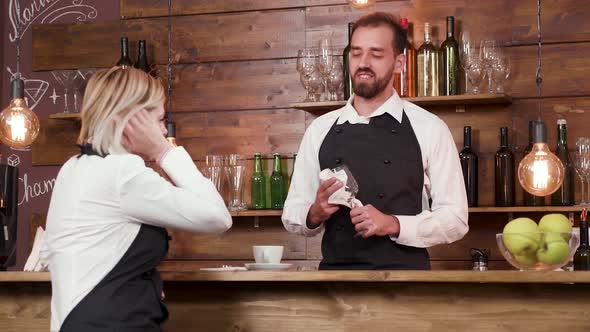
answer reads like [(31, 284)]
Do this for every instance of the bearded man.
[(403, 158)]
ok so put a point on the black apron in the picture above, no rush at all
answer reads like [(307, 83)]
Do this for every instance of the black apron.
[(385, 158), (127, 299)]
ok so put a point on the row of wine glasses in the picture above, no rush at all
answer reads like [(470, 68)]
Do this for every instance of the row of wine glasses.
[(488, 61), (582, 166), (320, 71), (72, 82)]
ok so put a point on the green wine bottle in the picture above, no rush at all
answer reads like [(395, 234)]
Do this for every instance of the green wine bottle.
[(450, 61), (277, 184), (565, 194), (258, 185)]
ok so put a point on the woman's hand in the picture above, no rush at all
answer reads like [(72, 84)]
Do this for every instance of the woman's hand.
[(143, 136)]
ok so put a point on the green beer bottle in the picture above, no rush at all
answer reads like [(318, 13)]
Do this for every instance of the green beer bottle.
[(277, 185), (258, 185)]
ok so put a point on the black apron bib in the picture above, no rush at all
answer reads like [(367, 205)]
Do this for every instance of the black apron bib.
[(385, 158), (127, 299)]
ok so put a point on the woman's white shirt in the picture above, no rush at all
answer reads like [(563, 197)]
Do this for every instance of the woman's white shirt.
[(96, 210)]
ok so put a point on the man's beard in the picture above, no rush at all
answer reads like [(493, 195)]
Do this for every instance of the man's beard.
[(369, 90)]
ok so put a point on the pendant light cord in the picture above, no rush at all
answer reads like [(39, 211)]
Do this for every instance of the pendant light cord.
[(169, 67), (539, 79), (18, 38)]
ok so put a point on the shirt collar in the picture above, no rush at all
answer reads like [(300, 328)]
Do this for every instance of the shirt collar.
[(393, 106)]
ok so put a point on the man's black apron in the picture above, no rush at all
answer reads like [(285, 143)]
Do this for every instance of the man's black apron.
[(128, 298), (385, 158)]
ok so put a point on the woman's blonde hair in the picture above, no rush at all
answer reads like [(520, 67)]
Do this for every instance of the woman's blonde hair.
[(112, 97)]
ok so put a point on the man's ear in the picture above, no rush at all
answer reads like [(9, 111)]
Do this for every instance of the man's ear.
[(400, 63)]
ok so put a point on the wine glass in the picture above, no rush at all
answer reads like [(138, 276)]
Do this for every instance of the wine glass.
[(489, 56), (325, 59), (582, 166), (316, 85), (335, 80), (65, 79), (475, 73), (306, 62), (500, 73), (80, 78)]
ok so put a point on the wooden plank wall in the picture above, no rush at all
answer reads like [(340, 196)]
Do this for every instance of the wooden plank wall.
[(234, 78)]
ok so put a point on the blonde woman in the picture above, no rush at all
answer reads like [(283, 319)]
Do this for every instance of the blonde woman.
[(108, 212)]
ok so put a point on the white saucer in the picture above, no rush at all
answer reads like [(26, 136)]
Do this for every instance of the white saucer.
[(225, 268), (267, 266)]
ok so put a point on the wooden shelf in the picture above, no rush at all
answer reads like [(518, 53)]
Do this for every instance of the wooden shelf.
[(257, 213), (486, 99), (518, 209), (481, 209), (65, 116)]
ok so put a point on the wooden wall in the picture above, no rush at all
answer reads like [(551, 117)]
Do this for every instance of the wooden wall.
[(234, 79)]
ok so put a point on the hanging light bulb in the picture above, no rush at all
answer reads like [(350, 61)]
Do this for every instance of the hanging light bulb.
[(361, 4), (19, 126), (171, 129), (540, 172)]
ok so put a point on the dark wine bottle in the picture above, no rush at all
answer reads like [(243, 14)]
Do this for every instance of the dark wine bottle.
[(469, 167), (565, 194), (528, 198), (125, 60), (582, 255), (346, 64), (142, 62), (504, 173), (450, 61)]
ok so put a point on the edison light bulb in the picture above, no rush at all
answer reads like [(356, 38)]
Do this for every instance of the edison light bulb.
[(19, 126), (540, 172), (360, 4)]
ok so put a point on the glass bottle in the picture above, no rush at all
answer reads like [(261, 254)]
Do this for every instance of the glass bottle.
[(258, 185), (277, 184), (428, 66), (565, 194), (469, 166), (504, 172), (124, 60)]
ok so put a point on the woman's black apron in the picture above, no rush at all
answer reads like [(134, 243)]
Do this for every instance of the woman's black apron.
[(385, 158), (127, 299)]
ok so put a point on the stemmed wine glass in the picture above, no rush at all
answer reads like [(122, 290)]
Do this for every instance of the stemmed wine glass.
[(489, 55), (582, 166), (335, 81), (325, 59)]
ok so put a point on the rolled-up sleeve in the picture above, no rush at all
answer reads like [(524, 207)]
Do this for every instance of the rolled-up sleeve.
[(304, 186), (447, 219)]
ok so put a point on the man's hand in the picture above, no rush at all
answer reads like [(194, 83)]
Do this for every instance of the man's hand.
[(321, 210), (369, 221)]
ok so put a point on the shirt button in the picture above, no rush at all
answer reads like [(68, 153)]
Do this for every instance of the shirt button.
[(338, 130), (393, 131), (381, 195), (338, 227), (338, 161), (386, 161)]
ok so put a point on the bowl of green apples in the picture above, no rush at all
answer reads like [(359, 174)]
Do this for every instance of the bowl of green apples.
[(546, 246)]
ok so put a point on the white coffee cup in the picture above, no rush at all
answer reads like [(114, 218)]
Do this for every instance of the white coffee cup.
[(267, 254)]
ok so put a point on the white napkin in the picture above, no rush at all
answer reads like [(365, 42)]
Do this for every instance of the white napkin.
[(33, 262), (341, 196)]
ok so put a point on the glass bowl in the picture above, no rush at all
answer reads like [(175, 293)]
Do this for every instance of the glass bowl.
[(541, 251)]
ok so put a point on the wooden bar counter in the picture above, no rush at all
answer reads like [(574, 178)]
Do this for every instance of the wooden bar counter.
[(341, 301)]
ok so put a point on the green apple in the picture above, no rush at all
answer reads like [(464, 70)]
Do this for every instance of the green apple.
[(553, 250), (521, 236), (529, 259), (556, 223)]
